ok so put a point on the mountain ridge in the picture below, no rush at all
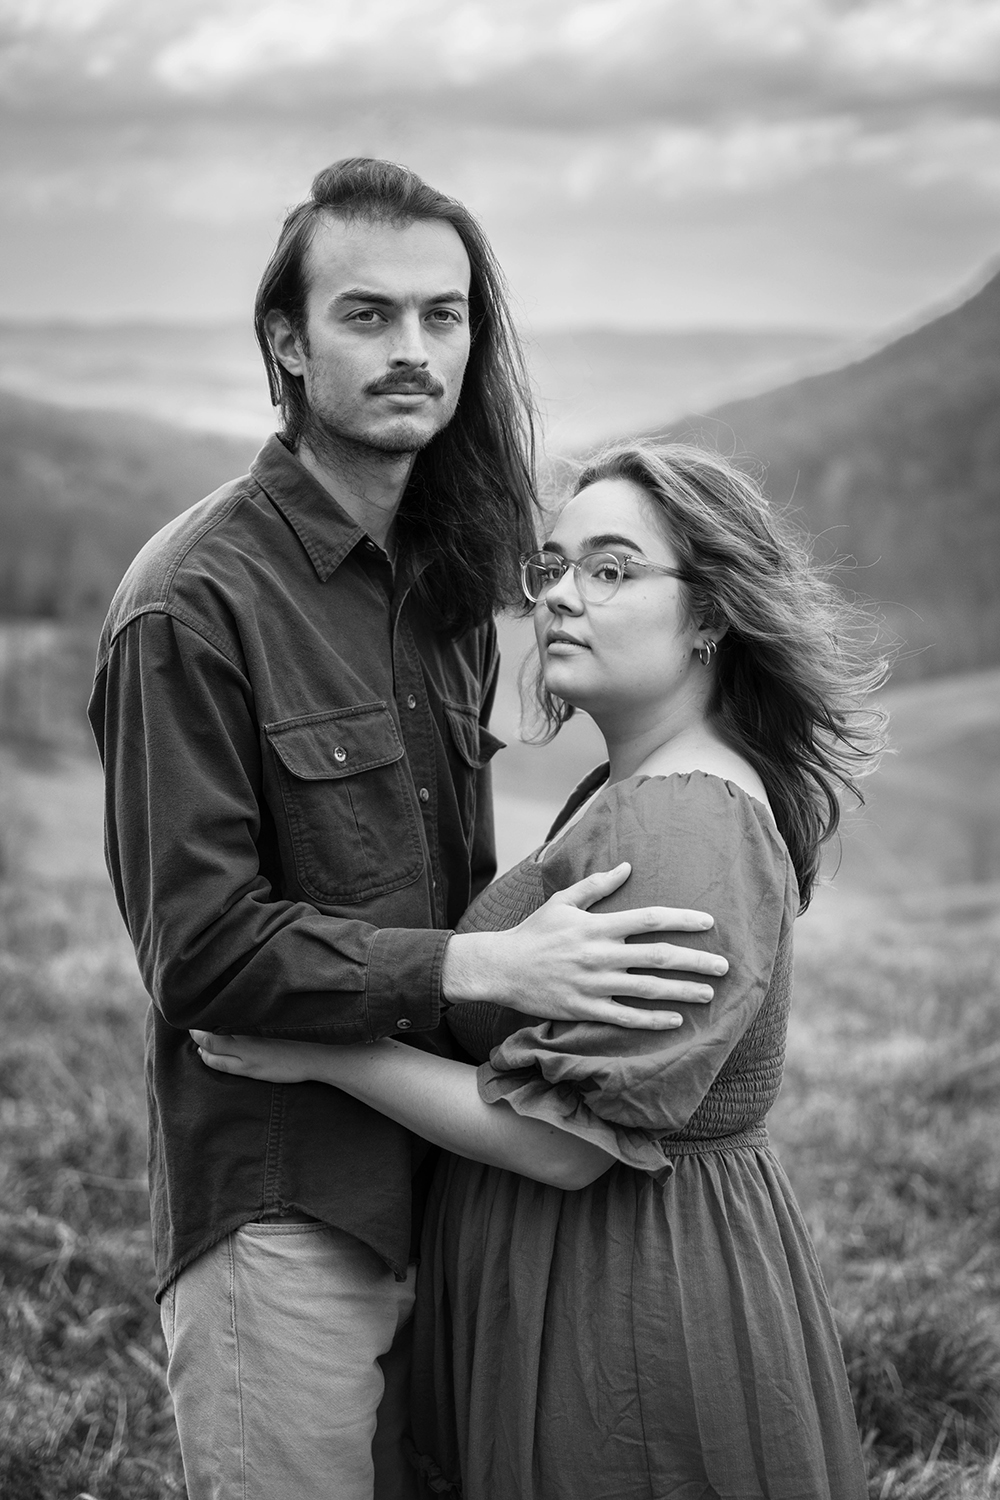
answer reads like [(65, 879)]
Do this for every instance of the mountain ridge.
[(894, 459)]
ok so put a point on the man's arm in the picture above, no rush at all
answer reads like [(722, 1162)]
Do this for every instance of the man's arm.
[(217, 946), (218, 950)]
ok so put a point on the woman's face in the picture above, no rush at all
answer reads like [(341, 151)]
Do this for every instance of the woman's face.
[(632, 655)]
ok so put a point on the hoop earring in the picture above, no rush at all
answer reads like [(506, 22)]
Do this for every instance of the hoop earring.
[(706, 652)]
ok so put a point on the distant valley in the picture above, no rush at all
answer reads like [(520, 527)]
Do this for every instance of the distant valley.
[(892, 459), (592, 384)]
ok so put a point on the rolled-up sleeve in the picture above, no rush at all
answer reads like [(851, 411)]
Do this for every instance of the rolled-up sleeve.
[(186, 824)]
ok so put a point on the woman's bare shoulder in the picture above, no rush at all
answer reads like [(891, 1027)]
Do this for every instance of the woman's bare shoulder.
[(712, 760)]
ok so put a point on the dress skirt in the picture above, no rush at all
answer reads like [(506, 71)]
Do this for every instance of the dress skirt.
[(635, 1340)]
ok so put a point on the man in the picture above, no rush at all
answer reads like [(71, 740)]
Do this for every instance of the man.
[(292, 695)]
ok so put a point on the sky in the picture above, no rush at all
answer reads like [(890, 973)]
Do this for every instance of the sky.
[(830, 164)]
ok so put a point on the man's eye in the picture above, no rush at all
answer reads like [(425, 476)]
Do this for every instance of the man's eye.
[(445, 315), (366, 315)]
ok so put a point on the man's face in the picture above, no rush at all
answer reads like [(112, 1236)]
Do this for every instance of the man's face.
[(387, 332)]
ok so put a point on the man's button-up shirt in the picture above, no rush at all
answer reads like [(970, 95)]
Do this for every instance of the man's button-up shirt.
[(298, 811)]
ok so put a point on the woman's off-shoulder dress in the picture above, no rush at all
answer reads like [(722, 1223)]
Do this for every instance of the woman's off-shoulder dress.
[(663, 1334)]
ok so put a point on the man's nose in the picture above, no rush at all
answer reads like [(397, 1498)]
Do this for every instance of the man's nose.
[(408, 347)]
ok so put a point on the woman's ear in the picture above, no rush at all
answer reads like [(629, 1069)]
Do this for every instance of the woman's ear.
[(710, 625)]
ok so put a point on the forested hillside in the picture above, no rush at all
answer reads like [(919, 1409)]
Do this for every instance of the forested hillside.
[(81, 491), (895, 461)]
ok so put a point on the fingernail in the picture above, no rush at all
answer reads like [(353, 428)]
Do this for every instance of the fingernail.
[(705, 993), (676, 1021), (721, 967), (708, 922)]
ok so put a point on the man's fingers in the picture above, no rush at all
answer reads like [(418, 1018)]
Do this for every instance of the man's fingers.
[(669, 956), (644, 919), (611, 1013), (593, 887), (659, 990)]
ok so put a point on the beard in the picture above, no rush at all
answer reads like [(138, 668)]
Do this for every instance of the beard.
[(327, 439), (400, 436)]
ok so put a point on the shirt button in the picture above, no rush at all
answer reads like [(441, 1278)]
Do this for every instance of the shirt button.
[(370, 547), (403, 1024), (424, 794), (411, 701), (340, 755)]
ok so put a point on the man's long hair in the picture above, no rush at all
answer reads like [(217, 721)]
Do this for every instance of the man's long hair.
[(469, 506)]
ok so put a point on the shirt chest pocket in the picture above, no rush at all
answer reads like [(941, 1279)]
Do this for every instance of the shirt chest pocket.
[(348, 803)]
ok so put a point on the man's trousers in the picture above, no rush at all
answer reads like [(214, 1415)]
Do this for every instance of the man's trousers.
[(288, 1349)]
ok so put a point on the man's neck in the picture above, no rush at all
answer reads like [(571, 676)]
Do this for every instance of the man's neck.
[(367, 484)]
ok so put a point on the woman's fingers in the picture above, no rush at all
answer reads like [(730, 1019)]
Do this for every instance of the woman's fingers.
[(219, 1052)]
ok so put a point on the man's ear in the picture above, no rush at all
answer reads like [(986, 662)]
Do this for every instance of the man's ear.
[(285, 342)]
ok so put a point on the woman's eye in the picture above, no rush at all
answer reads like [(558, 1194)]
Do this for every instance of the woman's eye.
[(607, 572)]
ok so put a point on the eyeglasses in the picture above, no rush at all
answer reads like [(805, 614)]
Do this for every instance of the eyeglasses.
[(598, 575)]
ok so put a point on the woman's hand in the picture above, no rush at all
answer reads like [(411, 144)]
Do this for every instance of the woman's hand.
[(267, 1058)]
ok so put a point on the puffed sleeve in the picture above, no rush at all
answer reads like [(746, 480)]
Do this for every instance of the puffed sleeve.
[(693, 841)]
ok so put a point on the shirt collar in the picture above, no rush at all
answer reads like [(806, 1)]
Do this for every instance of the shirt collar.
[(323, 527)]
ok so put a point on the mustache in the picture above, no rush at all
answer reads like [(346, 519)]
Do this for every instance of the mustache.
[(398, 383)]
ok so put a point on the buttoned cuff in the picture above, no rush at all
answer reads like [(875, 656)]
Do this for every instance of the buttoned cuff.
[(403, 989)]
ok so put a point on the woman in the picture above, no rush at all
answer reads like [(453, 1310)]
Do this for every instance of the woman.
[(618, 1297)]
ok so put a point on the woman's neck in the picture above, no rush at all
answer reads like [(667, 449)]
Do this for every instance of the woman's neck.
[(627, 756), (693, 747)]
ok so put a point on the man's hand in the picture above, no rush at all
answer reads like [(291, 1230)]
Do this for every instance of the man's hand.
[(566, 963)]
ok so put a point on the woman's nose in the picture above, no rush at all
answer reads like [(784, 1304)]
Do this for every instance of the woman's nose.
[(564, 597)]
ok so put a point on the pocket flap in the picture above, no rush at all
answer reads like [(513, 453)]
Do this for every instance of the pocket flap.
[(342, 742), (476, 745)]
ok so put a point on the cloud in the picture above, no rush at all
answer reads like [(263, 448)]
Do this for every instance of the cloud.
[(210, 116), (551, 63)]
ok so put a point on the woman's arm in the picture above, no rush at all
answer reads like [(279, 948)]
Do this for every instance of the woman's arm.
[(435, 1097)]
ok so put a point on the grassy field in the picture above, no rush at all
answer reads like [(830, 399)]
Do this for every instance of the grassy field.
[(84, 1408), (886, 1125)]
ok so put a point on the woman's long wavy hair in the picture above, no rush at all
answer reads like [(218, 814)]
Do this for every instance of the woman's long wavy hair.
[(797, 661), (469, 505)]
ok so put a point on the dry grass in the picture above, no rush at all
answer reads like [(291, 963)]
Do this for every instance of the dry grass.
[(84, 1408), (886, 1126)]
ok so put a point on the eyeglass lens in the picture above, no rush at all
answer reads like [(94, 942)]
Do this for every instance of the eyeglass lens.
[(597, 575)]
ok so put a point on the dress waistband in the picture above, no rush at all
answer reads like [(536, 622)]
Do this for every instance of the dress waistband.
[(753, 1135)]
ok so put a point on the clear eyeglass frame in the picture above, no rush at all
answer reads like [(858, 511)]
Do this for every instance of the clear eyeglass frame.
[(597, 575)]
